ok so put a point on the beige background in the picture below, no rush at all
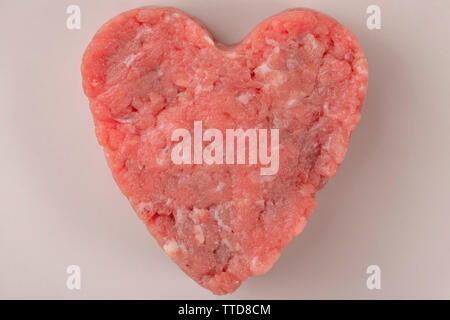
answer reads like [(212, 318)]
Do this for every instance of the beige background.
[(389, 204)]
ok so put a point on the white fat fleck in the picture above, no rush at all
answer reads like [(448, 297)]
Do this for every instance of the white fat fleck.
[(361, 69), (245, 97), (291, 102), (179, 216), (176, 15), (146, 30), (94, 83), (199, 88), (231, 54), (325, 107), (171, 247), (220, 186), (208, 39), (326, 147), (263, 68), (311, 41), (144, 206), (347, 56), (143, 31), (198, 234), (123, 120), (161, 161), (254, 263), (291, 64), (227, 243), (129, 60), (271, 42), (169, 201), (278, 79), (196, 215), (220, 222), (161, 125)]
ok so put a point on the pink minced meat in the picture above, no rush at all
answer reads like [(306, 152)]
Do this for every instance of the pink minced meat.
[(151, 70)]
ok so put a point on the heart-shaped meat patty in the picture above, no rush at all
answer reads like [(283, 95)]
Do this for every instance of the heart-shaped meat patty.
[(150, 71)]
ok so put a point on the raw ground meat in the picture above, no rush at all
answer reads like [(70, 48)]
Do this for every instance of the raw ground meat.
[(152, 70)]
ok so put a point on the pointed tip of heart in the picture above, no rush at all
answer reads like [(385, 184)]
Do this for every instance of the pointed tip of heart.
[(227, 282)]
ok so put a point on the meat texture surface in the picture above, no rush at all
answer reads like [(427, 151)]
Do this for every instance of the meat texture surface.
[(152, 70)]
